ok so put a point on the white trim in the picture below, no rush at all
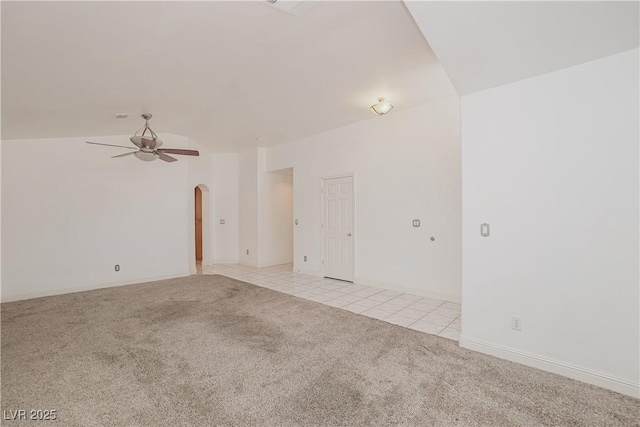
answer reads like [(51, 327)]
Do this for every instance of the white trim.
[(555, 366), (340, 175), (386, 286), (89, 288), (309, 271), (249, 263), (451, 297), (222, 261), (281, 261)]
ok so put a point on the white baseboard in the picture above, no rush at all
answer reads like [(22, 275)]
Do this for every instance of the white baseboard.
[(390, 286), (309, 271), (451, 297), (249, 263), (222, 261), (63, 291), (275, 263), (555, 366)]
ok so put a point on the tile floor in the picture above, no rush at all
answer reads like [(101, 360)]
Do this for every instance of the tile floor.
[(411, 311)]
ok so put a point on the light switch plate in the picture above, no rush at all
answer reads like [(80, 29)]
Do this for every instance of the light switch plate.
[(222, 221), (416, 223)]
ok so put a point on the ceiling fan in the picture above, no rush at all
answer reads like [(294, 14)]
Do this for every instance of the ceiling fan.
[(148, 147)]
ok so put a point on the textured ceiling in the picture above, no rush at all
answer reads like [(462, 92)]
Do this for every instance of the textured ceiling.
[(482, 44), (223, 73)]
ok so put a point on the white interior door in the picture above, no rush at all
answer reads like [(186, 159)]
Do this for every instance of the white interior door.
[(338, 227)]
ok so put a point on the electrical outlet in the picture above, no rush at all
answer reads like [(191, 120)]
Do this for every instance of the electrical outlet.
[(247, 251), (117, 267), (305, 258), (516, 323)]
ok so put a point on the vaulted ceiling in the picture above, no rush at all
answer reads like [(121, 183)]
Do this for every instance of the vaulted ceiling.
[(223, 73), (237, 74), (482, 44)]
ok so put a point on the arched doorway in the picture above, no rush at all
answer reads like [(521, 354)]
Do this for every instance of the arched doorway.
[(198, 219), (202, 226)]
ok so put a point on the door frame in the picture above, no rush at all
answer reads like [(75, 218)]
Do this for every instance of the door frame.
[(351, 175)]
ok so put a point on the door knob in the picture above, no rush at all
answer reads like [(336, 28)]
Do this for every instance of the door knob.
[(349, 234)]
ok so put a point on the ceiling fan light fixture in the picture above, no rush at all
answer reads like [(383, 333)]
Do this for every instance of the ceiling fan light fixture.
[(146, 157), (382, 107), (148, 146)]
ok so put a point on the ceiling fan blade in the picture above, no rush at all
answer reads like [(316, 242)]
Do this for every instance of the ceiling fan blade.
[(111, 145), (125, 154), (179, 151), (167, 158)]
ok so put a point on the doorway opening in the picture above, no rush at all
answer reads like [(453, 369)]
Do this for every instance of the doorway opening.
[(276, 221), (198, 209), (202, 225)]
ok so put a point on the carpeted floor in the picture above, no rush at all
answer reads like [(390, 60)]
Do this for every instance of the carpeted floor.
[(208, 350)]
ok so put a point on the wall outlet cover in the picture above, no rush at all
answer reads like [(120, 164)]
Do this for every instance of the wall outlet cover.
[(516, 323)]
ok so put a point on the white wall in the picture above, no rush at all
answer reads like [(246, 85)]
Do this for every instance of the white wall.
[(200, 173), (552, 164), (70, 213), (248, 207), (225, 206), (406, 165), (1, 291), (276, 218), (265, 212)]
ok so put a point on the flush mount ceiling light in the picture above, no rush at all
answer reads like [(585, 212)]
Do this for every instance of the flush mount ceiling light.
[(382, 107)]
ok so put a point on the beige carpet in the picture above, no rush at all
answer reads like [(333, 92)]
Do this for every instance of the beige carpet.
[(208, 350)]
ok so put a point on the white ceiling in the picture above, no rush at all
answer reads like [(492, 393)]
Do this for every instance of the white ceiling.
[(482, 44), (223, 73)]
